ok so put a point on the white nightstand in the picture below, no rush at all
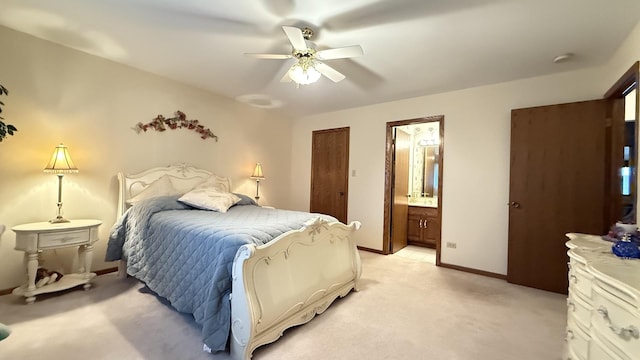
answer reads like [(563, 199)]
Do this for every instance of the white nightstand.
[(36, 237)]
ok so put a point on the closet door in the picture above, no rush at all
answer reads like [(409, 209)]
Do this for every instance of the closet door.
[(330, 172), (557, 185)]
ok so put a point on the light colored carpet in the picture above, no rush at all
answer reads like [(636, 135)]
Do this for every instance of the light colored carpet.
[(418, 253), (406, 309)]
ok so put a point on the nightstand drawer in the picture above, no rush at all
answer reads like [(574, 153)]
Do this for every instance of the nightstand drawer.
[(67, 238)]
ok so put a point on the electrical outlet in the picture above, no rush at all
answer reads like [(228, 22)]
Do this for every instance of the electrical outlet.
[(451, 245)]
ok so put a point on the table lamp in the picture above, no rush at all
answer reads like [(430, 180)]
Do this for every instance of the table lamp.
[(257, 176), (60, 164)]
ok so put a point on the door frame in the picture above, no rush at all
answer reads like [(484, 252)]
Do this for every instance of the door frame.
[(612, 193), (388, 178)]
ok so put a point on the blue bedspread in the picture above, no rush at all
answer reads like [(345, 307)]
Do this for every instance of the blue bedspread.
[(185, 255)]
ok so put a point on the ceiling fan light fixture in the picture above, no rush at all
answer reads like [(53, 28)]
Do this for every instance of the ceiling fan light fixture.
[(304, 74)]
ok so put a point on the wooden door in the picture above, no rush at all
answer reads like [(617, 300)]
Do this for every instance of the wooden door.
[(402, 146), (556, 186), (329, 172), (431, 230), (414, 226)]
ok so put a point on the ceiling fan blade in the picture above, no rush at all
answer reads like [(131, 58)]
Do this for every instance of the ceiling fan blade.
[(181, 17), (280, 8), (286, 78), (388, 12), (340, 53), (269, 56), (359, 75), (295, 37), (326, 70)]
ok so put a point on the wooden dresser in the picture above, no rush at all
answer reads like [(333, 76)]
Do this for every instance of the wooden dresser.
[(603, 319), (423, 226)]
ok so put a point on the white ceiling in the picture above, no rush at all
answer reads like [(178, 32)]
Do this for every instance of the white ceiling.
[(412, 47)]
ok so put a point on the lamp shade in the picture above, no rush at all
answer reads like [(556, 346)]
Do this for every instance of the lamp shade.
[(61, 162), (257, 172), (304, 75)]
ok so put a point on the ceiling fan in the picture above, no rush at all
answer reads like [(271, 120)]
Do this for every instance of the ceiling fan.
[(309, 65)]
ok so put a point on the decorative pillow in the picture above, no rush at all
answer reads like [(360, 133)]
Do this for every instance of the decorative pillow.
[(222, 184), (161, 187), (209, 199), (245, 200)]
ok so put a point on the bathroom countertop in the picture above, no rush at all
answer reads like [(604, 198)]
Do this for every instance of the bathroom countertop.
[(424, 205)]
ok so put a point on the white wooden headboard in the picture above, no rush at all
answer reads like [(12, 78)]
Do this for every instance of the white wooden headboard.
[(183, 176)]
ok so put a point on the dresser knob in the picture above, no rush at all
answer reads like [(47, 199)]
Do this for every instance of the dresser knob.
[(569, 335)]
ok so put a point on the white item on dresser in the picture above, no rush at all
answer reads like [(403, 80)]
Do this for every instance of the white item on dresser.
[(35, 237), (603, 319), (628, 228), (262, 305)]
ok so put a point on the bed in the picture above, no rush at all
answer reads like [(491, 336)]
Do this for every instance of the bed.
[(245, 272)]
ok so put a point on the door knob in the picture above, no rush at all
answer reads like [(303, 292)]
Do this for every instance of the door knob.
[(515, 204)]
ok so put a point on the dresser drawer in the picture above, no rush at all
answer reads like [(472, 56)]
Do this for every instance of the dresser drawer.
[(600, 350), (577, 341), (617, 321), (571, 355), (67, 238), (579, 310), (580, 280)]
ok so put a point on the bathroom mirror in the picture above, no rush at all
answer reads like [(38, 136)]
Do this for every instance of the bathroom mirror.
[(430, 177), (424, 160), (627, 172)]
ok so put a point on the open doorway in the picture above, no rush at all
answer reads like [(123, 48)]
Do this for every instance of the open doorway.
[(412, 210)]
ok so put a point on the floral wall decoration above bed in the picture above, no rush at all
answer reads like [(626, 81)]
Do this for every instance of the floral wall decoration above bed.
[(5, 129), (179, 121)]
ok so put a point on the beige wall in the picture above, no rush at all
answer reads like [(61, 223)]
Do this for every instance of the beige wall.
[(476, 155), (61, 95)]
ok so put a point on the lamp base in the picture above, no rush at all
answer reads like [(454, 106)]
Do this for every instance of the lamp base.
[(59, 219)]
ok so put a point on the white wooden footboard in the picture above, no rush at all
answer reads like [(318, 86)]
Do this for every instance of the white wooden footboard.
[(289, 280)]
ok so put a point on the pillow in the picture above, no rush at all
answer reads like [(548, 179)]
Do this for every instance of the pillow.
[(245, 200), (161, 187), (215, 182), (209, 199)]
